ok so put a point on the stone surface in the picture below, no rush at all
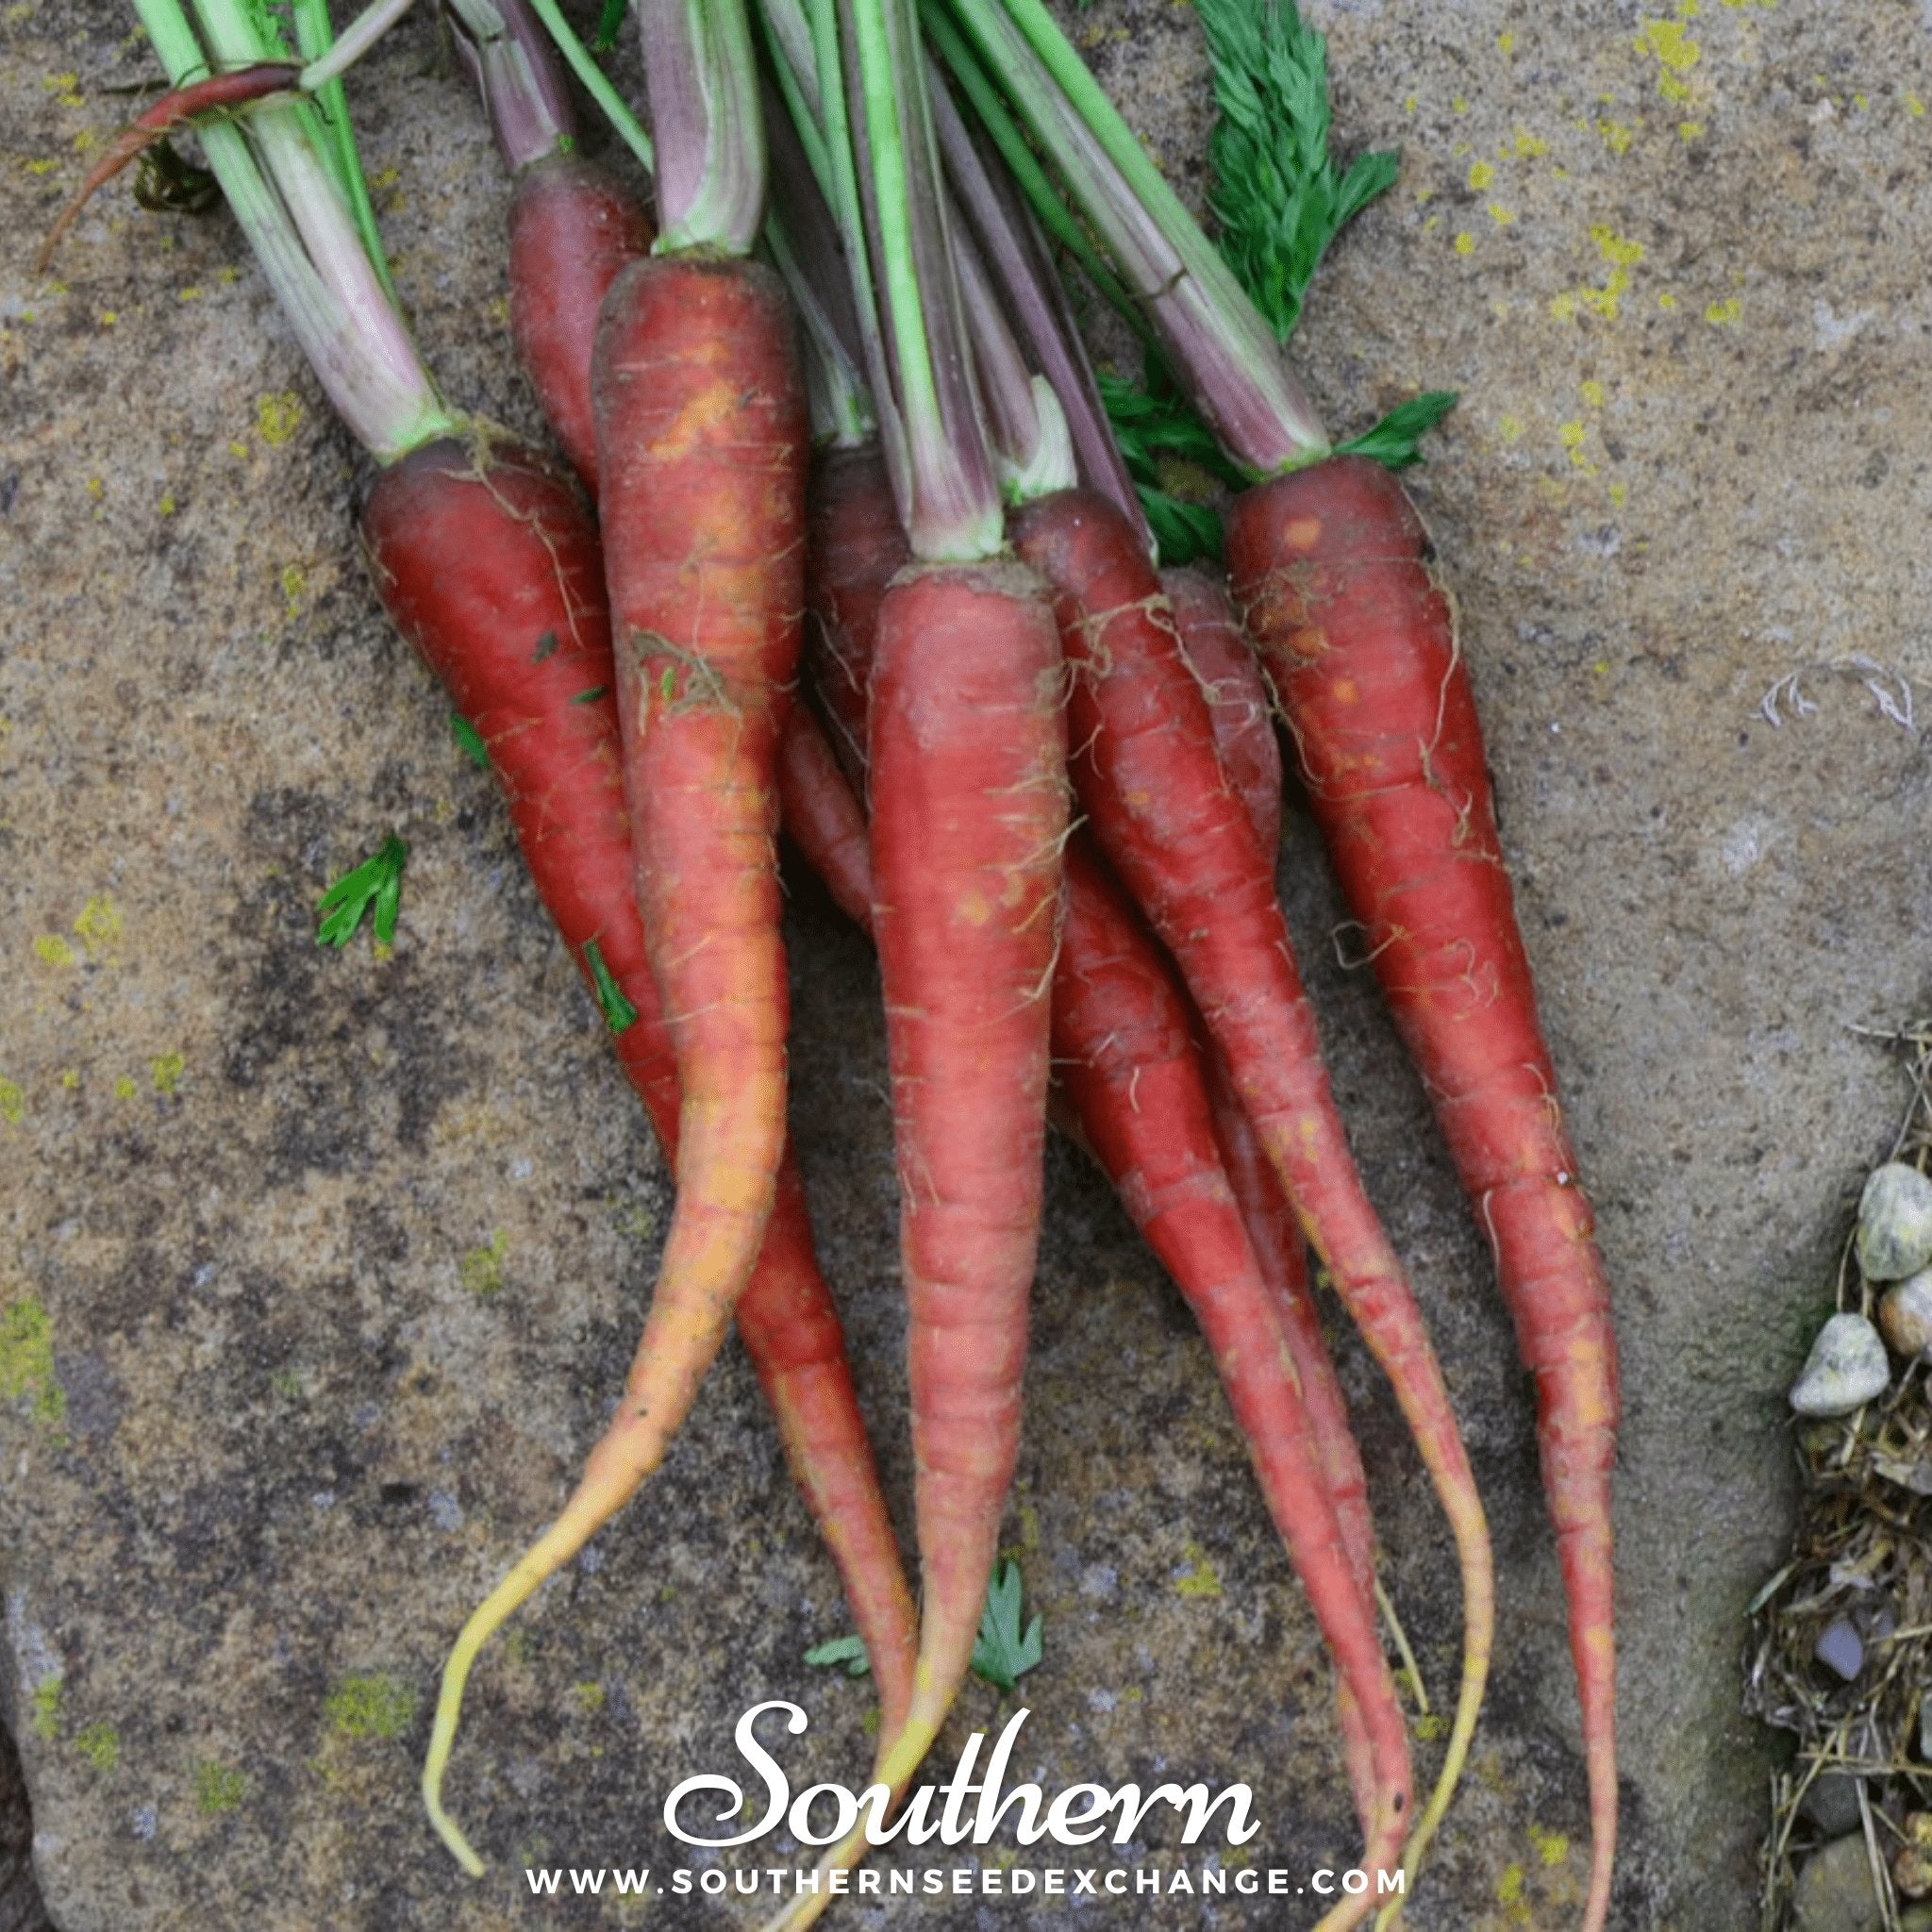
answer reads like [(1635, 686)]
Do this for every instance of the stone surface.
[(1676, 266), (1847, 1368), (1894, 1223)]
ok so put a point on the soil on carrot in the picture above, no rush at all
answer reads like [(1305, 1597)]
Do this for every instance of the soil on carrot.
[(1841, 1648)]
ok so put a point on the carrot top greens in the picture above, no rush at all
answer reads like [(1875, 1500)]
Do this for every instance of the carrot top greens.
[(374, 886), (619, 1014), (1004, 1652), (1278, 197)]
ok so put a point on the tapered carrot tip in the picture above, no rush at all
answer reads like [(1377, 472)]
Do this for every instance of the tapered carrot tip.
[(217, 92)]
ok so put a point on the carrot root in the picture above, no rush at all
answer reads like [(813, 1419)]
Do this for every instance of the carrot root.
[(1332, 569)]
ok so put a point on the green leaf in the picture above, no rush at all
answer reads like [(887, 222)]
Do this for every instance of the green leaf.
[(1392, 441), (596, 694), (546, 645), (846, 1651), (618, 1011), (1276, 192), (376, 887), (469, 741), (1003, 1654), (609, 19), (1157, 431)]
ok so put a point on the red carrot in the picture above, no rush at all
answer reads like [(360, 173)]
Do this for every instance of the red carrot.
[(1150, 778), (968, 745), (1332, 566), (573, 229), (1124, 1045), (1242, 718), (573, 226), (488, 564), (855, 547), (966, 753), (701, 457), (1121, 1038), (821, 817)]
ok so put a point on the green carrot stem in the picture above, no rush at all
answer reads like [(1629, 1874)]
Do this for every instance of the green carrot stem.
[(514, 66), (315, 38), (935, 446), (1015, 252), (701, 72), (322, 277), (595, 83), (1049, 206), (788, 38), (1211, 330)]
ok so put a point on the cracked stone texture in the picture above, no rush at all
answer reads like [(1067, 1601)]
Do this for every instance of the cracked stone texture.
[(270, 1425)]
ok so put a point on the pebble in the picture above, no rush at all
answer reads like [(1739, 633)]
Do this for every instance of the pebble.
[(1911, 1865), (1905, 1315), (1834, 1893), (1841, 1648), (1894, 1223), (1846, 1368), (1832, 1802)]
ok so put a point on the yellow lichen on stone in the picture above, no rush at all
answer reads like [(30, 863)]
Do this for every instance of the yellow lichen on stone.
[(218, 1788), (54, 950), (12, 1103), (481, 1269), (1722, 314), (45, 1722), (166, 1072), (26, 1361), (1552, 1847), (1675, 54), (1200, 1578), (277, 417), (370, 1706), (99, 926), (1621, 256)]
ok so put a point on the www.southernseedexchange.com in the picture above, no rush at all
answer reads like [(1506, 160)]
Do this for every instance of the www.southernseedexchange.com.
[(965, 1881)]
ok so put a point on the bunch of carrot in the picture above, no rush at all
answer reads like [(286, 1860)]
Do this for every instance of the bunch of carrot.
[(1040, 770)]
